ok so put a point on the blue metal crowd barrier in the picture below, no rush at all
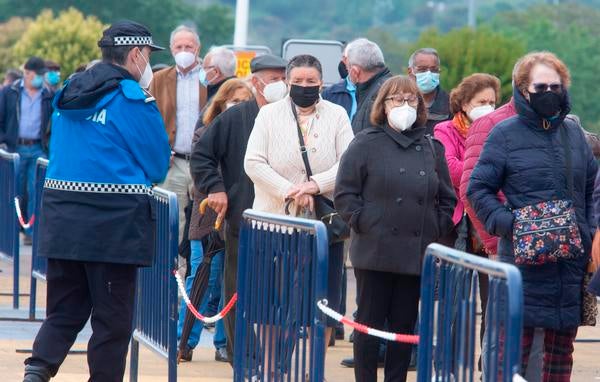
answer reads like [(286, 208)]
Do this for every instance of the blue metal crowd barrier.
[(155, 319), (9, 231), (282, 273), (447, 345), (38, 264)]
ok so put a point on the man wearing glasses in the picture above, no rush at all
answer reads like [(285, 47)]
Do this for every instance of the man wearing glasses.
[(424, 68)]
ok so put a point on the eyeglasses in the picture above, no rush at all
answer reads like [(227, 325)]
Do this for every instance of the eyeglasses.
[(400, 100), (541, 87)]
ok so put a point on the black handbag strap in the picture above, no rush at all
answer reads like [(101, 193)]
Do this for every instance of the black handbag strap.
[(568, 156), (301, 140)]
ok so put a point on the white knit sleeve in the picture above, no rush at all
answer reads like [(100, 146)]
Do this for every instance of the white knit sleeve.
[(256, 161)]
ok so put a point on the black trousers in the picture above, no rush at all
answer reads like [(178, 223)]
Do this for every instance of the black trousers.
[(76, 290), (384, 296)]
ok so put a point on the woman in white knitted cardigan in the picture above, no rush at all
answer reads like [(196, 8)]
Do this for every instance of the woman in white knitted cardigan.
[(274, 162)]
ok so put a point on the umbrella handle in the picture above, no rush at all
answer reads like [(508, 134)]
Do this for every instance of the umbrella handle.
[(202, 209)]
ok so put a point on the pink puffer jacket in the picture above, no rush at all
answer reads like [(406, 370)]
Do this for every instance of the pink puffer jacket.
[(454, 144), (478, 133)]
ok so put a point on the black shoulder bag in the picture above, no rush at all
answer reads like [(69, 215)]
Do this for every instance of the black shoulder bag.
[(337, 229)]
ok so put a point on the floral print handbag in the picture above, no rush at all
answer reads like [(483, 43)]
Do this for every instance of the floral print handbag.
[(547, 231)]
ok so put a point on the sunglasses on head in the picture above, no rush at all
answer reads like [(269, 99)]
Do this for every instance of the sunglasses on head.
[(541, 87)]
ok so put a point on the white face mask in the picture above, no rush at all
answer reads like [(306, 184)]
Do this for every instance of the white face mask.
[(479, 111), (146, 75), (185, 59), (275, 91), (402, 118)]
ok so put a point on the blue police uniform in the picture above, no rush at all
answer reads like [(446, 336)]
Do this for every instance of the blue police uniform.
[(108, 147)]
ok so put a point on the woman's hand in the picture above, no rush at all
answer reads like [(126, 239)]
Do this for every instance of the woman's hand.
[(306, 188)]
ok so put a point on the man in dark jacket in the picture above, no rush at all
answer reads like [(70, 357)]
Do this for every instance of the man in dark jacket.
[(96, 223), (25, 110), (424, 68), (366, 69), (344, 92), (229, 189)]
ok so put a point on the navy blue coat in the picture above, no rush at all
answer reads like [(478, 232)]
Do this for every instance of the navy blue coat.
[(338, 94), (10, 110), (528, 164)]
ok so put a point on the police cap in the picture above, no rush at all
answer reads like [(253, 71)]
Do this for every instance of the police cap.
[(127, 33)]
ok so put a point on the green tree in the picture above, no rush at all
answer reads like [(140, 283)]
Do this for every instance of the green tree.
[(10, 32), (466, 51), (69, 39), (571, 32), (214, 22)]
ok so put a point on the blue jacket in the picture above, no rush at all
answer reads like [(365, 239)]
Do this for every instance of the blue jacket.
[(338, 94), (121, 140), (10, 110), (528, 164), (108, 146)]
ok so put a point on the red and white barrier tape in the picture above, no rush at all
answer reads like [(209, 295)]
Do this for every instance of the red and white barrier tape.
[(190, 306), (405, 338), (27, 225)]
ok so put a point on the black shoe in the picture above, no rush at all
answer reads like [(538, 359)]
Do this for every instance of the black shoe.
[(348, 362), (185, 355), (221, 355), (339, 333), (36, 374)]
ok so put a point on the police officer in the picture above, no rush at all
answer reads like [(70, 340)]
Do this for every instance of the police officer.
[(97, 223)]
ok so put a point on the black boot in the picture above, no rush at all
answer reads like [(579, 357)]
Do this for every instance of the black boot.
[(36, 374)]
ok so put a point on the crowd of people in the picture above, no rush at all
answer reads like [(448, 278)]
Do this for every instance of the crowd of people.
[(402, 161)]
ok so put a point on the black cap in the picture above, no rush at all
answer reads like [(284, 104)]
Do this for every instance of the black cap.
[(35, 64), (267, 61), (128, 33)]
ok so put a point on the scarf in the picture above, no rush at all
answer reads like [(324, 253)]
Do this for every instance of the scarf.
[(461, 124)]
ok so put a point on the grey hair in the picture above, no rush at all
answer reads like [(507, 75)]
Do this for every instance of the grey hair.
[(366, 54), (429, 51), (224, 59), (184, 28)]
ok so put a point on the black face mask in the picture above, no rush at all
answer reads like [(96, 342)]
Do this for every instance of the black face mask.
[(304, 96), (342, 70), (546, 104)]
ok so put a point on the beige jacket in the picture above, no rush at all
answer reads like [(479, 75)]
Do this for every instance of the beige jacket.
[(164, 89), (273, 160)]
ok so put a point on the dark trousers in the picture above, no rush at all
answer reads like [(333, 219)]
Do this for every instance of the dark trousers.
[(384, 296), (558, 353), (232, 240), (76, 290)]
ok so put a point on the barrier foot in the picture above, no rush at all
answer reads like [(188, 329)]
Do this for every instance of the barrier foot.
[(29, 351), (20, 319), (4, 294)]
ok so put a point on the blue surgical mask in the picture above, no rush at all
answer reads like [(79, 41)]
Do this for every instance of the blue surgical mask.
[(53, 77), (37, 82), (203, 77), (427, 81)]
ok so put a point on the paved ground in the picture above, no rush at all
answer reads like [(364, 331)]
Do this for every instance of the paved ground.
[(17, 337)]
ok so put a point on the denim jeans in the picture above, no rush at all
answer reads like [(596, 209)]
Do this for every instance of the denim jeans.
[(28, 158), (214, 286)]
